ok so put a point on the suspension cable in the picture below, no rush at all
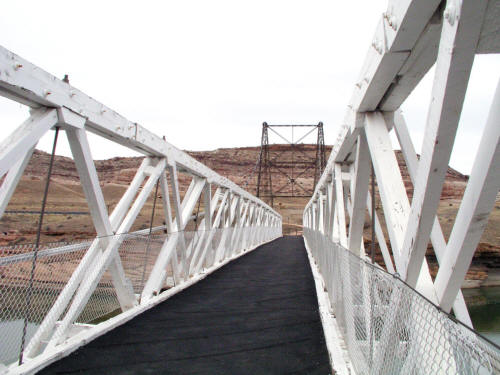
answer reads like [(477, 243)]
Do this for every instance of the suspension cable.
[(196, 224), (37, 245), (150, 231), (197, 213), (372, 247)]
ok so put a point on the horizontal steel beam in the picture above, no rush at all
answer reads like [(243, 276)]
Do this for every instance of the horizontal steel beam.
[(26, 83)]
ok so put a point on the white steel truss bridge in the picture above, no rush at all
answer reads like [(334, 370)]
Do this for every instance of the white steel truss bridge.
[(388, 318)]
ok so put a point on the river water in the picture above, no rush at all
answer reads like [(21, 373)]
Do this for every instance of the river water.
[(484, 310), (10, 339)]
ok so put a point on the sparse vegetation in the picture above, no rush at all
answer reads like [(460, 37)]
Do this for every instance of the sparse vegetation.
[(66, 195)]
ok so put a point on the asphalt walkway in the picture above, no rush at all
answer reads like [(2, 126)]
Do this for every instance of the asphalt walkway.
[(256, 315)]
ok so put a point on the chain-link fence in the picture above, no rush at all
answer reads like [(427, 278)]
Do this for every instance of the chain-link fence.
[(54, 266), (25, 300), (389, 328)]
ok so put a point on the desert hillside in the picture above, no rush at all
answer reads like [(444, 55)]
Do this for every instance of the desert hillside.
[(68, 219)]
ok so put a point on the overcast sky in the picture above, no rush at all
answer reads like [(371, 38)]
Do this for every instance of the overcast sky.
[(206, 74)]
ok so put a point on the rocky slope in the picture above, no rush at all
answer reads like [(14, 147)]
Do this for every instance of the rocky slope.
[(237, 164)]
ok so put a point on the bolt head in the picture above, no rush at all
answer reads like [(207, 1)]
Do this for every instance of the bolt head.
[(393, 22), (450, 14)]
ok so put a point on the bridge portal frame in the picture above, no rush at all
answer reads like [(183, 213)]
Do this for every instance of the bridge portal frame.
[(266, 164)]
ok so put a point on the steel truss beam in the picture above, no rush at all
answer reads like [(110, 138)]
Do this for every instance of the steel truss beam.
[(411, 37), (242, 220)]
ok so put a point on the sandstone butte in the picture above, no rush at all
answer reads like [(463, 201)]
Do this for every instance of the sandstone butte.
[(71, 223)]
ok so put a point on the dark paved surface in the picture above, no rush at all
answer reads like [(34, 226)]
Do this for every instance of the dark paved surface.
[(256, 315)]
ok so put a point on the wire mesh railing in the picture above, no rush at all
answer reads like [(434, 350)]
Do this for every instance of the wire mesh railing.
[(388, 327), (56, 263)]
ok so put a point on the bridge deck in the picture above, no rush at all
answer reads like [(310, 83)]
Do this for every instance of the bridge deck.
[(256, 315)]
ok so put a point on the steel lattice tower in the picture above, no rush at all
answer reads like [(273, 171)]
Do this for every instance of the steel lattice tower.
[(297, 166)]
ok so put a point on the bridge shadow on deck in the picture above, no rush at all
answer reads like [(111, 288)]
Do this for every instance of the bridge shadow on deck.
[(256, 315)]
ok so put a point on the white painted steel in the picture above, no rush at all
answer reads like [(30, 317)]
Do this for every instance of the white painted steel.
[(360, 301), (454, 63), (478, 201), (411, 37), (359, 180), (12, 179), (437, 237), (339, 357), (242, 221), (25, 137), (93, 331)]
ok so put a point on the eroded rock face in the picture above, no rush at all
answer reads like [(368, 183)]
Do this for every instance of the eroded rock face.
[(240, 166), (237, 164)]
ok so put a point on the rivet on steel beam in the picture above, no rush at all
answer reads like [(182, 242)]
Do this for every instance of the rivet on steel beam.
[(378, 46), (450, 14), (393, 22)]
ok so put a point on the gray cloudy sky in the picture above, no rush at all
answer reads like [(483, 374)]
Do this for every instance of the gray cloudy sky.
[(206, 74)]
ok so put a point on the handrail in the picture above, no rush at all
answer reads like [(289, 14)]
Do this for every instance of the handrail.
[(233, 221), (411, 37), (425, 338), (28, 84)]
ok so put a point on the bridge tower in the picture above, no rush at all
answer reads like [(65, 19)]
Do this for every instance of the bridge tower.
[(293, 160)]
